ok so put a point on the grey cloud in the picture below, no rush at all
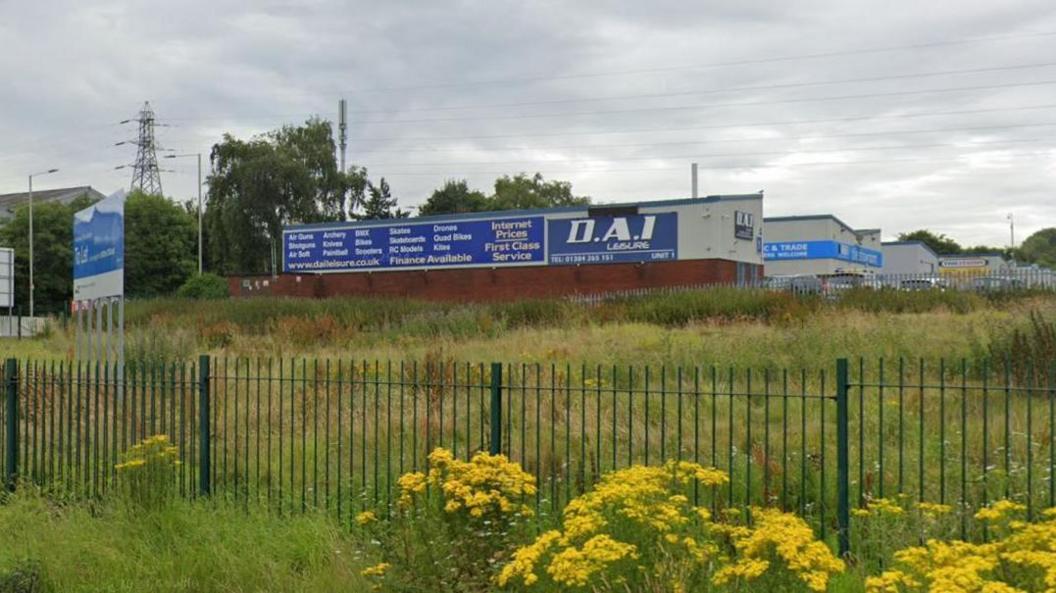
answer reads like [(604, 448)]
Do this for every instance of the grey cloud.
[(246, 67)]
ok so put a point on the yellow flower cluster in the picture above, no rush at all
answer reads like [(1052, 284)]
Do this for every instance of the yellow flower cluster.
[(524, 559), (573, 567), (366, 518), (939, 567), (152, 450), (130, 464), (147, 472), (376, 571), (411, 485), (1000, 510), (788, 538), (1024, 559), (640, 494), (934, 510), (879, 507), (487, 485), (644, 505)]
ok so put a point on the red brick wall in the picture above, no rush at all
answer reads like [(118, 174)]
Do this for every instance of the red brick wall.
[(476, 284)]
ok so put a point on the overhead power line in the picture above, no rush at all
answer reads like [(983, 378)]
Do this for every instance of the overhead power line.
[(714, 105), (712, 91), (579, 170), (733, 125), (673, 94), (709, 65), (711, 155), (406, 149)]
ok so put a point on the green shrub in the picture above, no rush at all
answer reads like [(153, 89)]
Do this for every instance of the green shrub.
[(204, 286)]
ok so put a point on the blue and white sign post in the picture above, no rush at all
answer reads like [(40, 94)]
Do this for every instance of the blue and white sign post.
[(99, 280)]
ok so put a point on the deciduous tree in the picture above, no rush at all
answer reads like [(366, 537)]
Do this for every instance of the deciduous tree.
[(939, 243), (454, 197), (260, 185), (1040, 248), (160, 245)]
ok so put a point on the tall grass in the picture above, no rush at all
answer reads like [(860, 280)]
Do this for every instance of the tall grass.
[(192, 547), (744, 327), (416, 317)]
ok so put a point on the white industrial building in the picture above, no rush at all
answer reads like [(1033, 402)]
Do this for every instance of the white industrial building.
[(909, 257), (819, 245), (530, 253)]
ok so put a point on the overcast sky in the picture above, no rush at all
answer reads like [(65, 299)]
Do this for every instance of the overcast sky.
[(897, 115)]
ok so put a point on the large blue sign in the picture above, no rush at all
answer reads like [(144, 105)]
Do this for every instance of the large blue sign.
[(495, 242), (99, 249), (611, 239), (795, 250)]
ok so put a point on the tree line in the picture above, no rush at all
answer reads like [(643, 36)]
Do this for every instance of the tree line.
[(1039, 248), (288, 176), (256, 187), (161, 240), (291, 176)]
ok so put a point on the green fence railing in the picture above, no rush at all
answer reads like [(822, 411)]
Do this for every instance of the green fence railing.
[(333, 435)]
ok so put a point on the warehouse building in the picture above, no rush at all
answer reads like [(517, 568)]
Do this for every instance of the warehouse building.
[(9, 203), (973, 265), (525, 253), (819, 245), (909, 257)]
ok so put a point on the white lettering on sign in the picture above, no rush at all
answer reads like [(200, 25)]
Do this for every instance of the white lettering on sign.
[(617, 230), (581, 231), (647, 227)]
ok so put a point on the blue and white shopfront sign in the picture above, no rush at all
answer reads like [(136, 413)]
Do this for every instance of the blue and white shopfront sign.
[(804, 250), (348, 248), (496, 241), (613, 239)]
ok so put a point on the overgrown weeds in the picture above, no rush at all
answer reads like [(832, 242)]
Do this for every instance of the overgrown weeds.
[(306, 321), (1028, 350)]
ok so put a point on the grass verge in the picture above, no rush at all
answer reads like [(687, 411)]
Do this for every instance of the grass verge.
[(187, 546)]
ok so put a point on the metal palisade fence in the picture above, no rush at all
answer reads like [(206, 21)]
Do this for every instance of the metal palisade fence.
[(1012, 280), (334, 435)]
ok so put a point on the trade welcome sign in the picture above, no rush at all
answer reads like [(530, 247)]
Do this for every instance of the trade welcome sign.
[(99, 250), (799, 250)]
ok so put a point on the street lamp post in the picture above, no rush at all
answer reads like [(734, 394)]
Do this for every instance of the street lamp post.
[(31, 235), (198, 155)]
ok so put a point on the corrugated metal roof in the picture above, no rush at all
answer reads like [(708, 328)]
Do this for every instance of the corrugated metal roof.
[(10, 202), (921, 243)]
